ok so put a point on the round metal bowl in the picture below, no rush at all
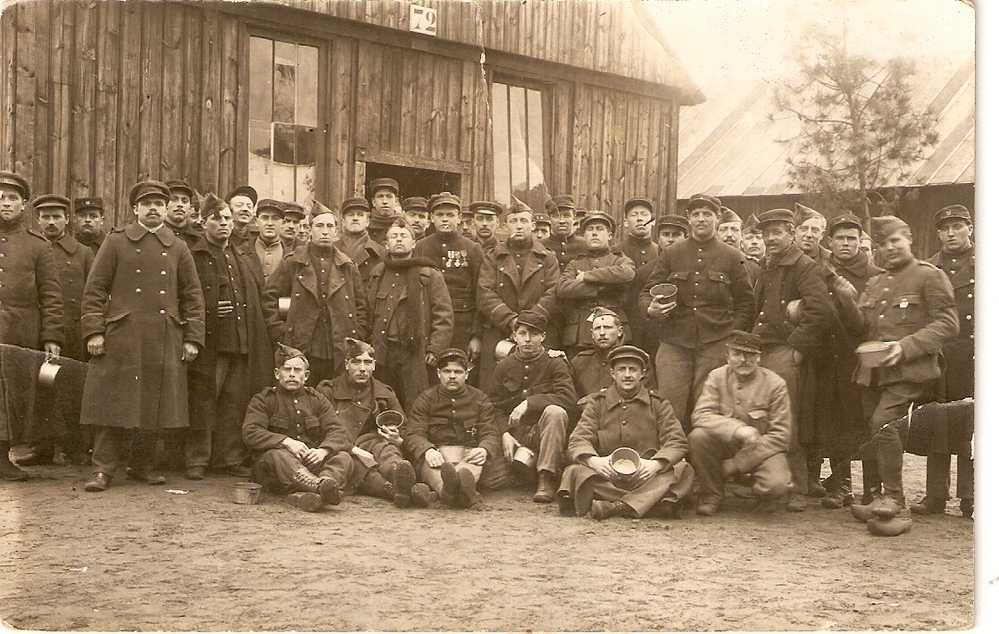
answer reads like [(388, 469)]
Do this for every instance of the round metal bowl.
[(390, 418), (47, 372), (663, 292), (503, 349), (794, 311), (625, 461), (872, 353), (246, 492)]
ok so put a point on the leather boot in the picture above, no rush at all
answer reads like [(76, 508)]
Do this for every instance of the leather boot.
[(403, 479), (305, 500), (863, 512), (449, 491), (602, 509), (840, 488), (421, 496), (929, 506), (467, 495), (545, 492), (38, 454), (888, 507), (815, 488), (796, 503), (566, 505), (8, 470)]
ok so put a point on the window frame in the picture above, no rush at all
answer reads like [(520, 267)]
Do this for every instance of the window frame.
[(547, 89)]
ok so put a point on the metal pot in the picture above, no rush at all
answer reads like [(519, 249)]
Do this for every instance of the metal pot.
[(390, 418), (503, 348), (246, 492), (284, 305), (48, 371), (525, 457), (625, 461)]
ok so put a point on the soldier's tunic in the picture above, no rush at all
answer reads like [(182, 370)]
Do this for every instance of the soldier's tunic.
[(365, 252), (304, 415), (460, 260), (269, 256), (73, 262), (189, 234), (644, 253), (565, 248), (646, 423), (606, 278), (94, 244)]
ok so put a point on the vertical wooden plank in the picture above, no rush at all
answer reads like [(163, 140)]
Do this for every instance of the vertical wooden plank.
[(344, 62), (230, 96), (369, 95), (24, 115), (8, 46), (655, 156), (466, 124), (453, 125), (597, 106), (619, 152), (150, 139), (409, 98), (609, 135), (560, 163), (482, 159), (106, 119), (499, 23), (190, 139), (641, 184), (81, 165), (580, 140), (172, 123), (389, 86), (671, 157), (129, 106), (439, 112), (425, 107), (211, 71)]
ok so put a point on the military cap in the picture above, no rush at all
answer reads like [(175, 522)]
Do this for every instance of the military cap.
[(355, 203), (51, 201), (385, 183), (79, 204), (243, 190), (15, 181), (845, 220), (703, 201), (600, 311), (884, 226), (211, 205), (751, 225), (745, 341), (672, 220), (355, 348), (270, 203), (534, 317), (775, 215), (486, 207), (452, 354), (539, 219), (635, 202), (179, 185), (564, 200), (147, 188), (283, 353), (466, 212), (319, 209), (444, 198), (628, 352), (597, 216), (292, 210), (727, 216), (952, 212), (415, 203), (580, 212), (519, 207), (803, 214)]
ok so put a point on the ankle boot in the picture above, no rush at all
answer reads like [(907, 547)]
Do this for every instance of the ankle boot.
[(840, 486), (8, 470)]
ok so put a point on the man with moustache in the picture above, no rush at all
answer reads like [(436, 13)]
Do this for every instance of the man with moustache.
[(415, 211), (88, 222), (730, 228), (235, 362), (143, 318), (597, 277), (411, 317), (327, 299), (485, 219), (384, 207), (591, 367), (516, 275), (564, 242), (242, 201), (713, 298), (956, 258), (291, 214), (268, 247), (31, 305), (354, 240), (179, 211)]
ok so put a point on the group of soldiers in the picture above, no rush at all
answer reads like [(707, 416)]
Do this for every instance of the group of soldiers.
[(421, 351)]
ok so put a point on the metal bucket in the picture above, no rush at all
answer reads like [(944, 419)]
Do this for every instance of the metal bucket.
[(246, 492)]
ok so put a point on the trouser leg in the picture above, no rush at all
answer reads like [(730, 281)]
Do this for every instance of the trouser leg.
[(707, 357), (871, 476), (707, 451), (965, 477), (780, 359), (673, 484), (551, 425), (773, 477), (228, 449), (938, 475), (197, 447), (142, 448), (109, 447), (675, 373), (890, 404)]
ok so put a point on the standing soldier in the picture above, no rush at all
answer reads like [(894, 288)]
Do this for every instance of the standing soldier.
[(542, 227), (243, 202), (591, 367), (327, 300), (31, 308), (291, 213), (713, 297), (911, 308), (143, 321), (638, 245), (354, 239), (269, 248), (460, 260), (516, 275), (235, 362), (179, 209), (564, 242), (730, 228), (788, 275), (598, 277), (88, 227), (384, 207), (414, 209), (486, 218), (670, 229), (957, 259), (753, 247), (411, 317), (809, 229)]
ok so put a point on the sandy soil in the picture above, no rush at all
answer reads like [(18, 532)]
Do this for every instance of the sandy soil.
[(139, 558)]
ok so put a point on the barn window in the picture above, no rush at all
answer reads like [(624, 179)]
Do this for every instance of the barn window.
[(520, 114), (283, 109)]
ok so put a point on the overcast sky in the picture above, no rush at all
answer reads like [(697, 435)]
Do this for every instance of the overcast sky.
[(725, 40)]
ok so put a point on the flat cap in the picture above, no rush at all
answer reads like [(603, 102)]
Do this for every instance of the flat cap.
[(51, 201), (444, 198), (355, 348), (845, 220), (775, 215), (486, 207), (269, 203), (803, 214), (727, 216), (384, 183), (243, 190), (283, 353), (292, 210), (644, 202), (884, 226), (211, 205), (415, 203), (703, 201), (17, 182), (564, 200), (179, 185), (146, 189), (952, 212), (534, 317), (597, 216), (452, 354), (673, 220), (628, 352), (745, 341), (751, 225), (355, 204), (79, 204)]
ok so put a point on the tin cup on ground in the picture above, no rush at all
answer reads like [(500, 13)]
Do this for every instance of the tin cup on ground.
[(246, 492)]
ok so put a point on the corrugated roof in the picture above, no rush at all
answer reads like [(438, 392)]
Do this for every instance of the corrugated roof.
[(730, 145)]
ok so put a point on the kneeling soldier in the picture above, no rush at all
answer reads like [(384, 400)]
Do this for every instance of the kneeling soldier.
[(742, 424), (301, 448), (358, 398), (534, 391), (627, 414), (452, 433)]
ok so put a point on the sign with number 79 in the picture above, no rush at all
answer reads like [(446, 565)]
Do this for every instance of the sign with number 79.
[(422, 20)]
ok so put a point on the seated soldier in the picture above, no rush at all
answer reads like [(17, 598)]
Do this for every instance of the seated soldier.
[(627, 414), (452, 434), (533, 390), (300, 447), (590, 368), (379, 469), (742, 425)]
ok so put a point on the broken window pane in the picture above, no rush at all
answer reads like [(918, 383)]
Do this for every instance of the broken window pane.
[(285, 63), (519, 144), (306, 104), (501, 144)]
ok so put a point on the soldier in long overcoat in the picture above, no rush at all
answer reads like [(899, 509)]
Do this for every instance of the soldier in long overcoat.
[(143, 321)]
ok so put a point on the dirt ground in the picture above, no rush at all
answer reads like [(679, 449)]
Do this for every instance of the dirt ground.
[(140, 558)]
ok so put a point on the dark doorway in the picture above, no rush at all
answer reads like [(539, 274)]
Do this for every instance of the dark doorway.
[(414, 181)]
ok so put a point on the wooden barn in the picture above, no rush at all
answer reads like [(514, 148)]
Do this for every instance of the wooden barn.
[(312, 99)]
